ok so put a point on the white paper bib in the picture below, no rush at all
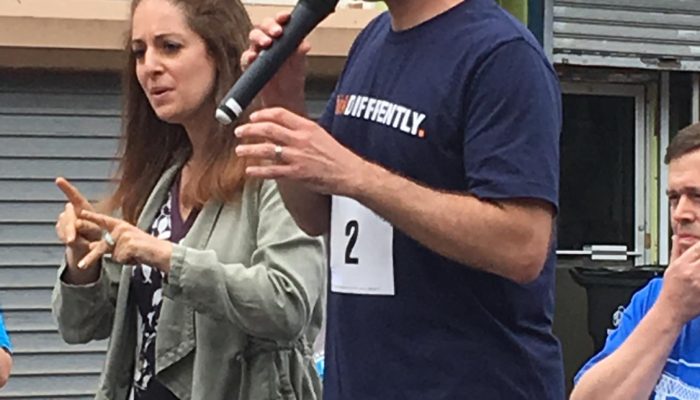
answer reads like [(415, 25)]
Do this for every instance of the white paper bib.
[(361, 259)]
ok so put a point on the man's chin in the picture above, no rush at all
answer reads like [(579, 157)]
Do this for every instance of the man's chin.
[(686, 243)]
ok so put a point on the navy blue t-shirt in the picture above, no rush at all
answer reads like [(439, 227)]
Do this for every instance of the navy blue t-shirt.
[(465, 102)]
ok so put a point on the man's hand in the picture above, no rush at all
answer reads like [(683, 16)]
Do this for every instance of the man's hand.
[(680, 295), (299, 150), (131, 244), (286, 88), (633, 370)]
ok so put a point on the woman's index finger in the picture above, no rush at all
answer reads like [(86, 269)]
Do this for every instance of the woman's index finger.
[(104, 221), (73, 194)]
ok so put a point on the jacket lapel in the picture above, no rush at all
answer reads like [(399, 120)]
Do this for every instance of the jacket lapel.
[(157, 197), (176, 338)]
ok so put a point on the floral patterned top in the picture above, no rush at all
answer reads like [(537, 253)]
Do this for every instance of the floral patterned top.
[(146, 289)]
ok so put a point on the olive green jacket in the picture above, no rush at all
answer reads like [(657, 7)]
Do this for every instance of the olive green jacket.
[(241, 305)]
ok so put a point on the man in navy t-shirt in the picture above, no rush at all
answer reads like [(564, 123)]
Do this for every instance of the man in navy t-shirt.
[(5, 354), (655, 350), (438, 184)]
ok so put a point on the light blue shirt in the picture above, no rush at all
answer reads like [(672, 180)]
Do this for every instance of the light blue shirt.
[(4, 338), (680, 379)]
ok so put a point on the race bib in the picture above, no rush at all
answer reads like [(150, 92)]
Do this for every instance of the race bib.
[(362, 260)]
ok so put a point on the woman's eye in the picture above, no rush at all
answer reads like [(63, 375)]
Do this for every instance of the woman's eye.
[(138, 53), (171, 47)]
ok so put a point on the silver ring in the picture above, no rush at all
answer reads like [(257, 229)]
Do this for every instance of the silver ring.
[(108, 238), (278, 153)]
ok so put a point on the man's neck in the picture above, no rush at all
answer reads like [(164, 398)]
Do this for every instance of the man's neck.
[(406, 14)]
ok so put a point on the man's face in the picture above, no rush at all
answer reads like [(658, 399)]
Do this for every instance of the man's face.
[(684, 198)]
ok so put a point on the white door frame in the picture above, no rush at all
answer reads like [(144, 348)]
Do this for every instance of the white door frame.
[(641, 152)]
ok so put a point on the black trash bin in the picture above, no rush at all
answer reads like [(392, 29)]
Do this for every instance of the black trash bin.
[(609, 290)]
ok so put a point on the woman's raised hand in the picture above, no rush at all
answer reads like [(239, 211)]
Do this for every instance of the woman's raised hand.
[(76, 233)]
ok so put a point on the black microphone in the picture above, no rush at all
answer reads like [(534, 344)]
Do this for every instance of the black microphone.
[(305, 16)]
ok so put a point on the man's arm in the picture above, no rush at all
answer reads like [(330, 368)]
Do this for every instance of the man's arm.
[(509, 238), (502, 225), (506, 237), (310, 210), (632, 371)]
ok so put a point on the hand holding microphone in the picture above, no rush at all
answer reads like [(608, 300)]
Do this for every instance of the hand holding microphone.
[(270, 48), (286, 88)]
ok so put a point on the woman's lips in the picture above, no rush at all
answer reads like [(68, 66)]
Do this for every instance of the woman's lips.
[(160, 94)]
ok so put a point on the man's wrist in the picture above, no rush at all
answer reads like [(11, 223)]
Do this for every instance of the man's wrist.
[(364, 181), (667, 315)]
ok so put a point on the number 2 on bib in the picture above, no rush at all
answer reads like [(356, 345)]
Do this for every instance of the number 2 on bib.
[(352, 229), (361, 250)]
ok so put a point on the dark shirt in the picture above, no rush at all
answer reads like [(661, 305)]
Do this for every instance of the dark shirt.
[(146, 289), (465, 102)]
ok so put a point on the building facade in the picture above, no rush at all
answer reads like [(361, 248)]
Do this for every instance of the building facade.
[(629, 72)]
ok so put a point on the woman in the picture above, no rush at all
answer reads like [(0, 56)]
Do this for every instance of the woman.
[(206, 287)]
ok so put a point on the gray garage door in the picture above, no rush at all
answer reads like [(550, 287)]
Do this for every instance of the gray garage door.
[(651, 34), (50, 125)]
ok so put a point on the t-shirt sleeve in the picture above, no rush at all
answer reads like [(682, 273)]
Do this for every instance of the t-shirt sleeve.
[(513, 125), (639, 305), (4, 338)]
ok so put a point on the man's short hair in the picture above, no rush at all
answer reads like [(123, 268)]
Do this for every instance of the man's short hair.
[(687, 140)]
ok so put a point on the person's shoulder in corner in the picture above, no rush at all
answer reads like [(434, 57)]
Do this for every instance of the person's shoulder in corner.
[(5, 354)]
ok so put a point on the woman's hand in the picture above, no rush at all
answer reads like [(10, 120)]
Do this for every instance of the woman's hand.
[(74, 232), (126, 243)]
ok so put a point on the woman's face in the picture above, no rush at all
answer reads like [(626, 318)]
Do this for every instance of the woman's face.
[(173, 66)]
